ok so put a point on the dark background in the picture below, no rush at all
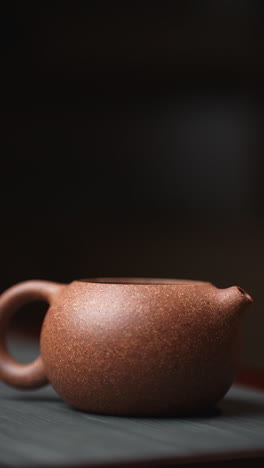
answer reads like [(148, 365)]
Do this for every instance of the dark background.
[(131, 145)]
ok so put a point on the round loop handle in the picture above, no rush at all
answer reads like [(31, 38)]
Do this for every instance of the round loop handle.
[(11, 372)]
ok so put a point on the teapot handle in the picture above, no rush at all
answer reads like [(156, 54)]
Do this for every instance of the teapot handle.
[(12, 372)]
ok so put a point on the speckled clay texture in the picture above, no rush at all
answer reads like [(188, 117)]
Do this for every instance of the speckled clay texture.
[(143, 347)]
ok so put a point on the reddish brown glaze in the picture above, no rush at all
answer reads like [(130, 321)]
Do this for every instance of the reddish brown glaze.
[(20, 375), (132, 346)]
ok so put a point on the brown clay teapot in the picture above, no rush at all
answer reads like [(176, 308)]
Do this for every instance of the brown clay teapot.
[(130, 346)]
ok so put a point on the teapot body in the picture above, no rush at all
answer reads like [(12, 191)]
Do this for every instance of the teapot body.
[(139, 348)]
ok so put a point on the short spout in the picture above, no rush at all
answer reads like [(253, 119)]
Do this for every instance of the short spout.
[(234, 299), (244, 296)]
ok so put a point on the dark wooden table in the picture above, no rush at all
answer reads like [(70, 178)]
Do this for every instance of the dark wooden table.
[(38, 429)]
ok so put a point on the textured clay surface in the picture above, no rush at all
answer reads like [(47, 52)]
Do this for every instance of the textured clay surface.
[(144, 347)]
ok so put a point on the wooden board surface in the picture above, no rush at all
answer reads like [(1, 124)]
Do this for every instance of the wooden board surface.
[(38, 428)]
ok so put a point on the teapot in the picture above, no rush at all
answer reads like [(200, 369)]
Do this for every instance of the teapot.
[(130, 346)]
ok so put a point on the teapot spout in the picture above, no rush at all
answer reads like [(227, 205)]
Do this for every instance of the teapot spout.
[(245, 298), (235, 298)]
